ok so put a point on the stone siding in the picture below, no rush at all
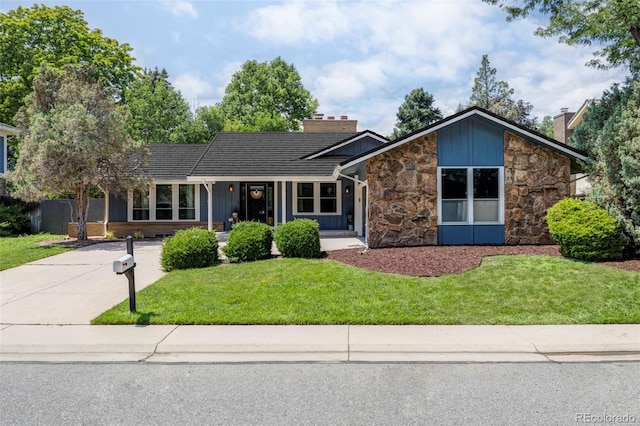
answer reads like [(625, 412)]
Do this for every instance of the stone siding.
[(535, 179), (402, 195)]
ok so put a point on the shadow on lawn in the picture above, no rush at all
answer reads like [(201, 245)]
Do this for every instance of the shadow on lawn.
[(144, 318)]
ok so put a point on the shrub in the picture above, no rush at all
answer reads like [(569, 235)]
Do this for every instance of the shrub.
[(249, 241), (299, 238), (189, 248), (585, 231), (13, 221)]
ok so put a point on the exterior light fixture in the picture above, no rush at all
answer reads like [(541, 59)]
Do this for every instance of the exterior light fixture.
[(347, 190), (231, 188)]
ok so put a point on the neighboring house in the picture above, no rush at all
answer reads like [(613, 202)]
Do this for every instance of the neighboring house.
[(271, 177), (471, 178), (563, 126), (5, 132)]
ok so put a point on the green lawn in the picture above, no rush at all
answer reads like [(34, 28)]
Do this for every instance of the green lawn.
[(16, 251), (503, 290)]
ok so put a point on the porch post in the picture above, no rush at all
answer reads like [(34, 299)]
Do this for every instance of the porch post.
[(357, 208), (209, 188), (284, 202), (276, 191)]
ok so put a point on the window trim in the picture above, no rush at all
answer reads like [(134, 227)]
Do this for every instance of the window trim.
[(316, 199), (470, 198), (175, 201)]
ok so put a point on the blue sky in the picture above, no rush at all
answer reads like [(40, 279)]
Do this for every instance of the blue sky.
[(358, 58)]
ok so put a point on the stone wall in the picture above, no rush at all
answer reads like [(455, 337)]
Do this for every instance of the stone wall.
[(535, 179), (402, 195)]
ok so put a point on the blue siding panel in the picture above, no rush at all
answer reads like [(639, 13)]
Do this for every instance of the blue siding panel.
[(357, 147), (488, 143), (472, 142), (3, 154), (488, 234), (326, 222), (455, 234), (224, 202)]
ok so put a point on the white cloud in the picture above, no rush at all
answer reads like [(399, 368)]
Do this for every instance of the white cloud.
[(194, 89), (180, 8)]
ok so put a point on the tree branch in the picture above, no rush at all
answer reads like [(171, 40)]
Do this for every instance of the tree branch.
[(635, 32)]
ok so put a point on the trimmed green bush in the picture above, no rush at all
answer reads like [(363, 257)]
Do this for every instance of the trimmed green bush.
[(299, 238), (13, 221), (585, 231), (189, 248), (249, 241)]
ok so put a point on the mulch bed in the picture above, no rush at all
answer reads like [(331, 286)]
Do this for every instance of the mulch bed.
[(441, 260)]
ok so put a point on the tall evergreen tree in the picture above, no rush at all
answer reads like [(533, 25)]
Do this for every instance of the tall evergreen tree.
[(610, 133), (417, 111), (495, 95)]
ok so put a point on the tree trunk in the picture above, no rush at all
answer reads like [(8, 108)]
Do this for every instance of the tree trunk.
[(81, 215), (635, 32)]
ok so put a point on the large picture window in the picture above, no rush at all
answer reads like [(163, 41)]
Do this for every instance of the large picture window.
[(470, 195), (165, 201), (317, 198)]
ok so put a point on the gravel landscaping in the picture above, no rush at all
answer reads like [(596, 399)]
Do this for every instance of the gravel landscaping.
[(441, 260)]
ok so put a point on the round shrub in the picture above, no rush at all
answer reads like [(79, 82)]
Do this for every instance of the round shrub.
[(585, 231), (189, 248), (299, 238), (249, 241)]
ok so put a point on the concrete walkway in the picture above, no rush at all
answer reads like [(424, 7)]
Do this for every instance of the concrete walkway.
[(46, 306)]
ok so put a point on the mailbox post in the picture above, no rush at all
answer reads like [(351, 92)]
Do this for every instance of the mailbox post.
[(126, 266)]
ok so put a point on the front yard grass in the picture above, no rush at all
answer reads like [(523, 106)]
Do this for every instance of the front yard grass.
[(503, 290), (16, 251)]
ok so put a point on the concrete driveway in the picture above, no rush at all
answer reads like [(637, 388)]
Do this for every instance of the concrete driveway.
[(76, 286)]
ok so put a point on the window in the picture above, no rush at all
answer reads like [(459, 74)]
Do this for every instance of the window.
[(141, 205), (328, 198), (470, 195), (317, 198), (187, 202), (164, 202), (305, 197)]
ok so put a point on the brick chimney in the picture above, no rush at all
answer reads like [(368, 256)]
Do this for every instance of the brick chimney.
[(561, 132), (318, 125)]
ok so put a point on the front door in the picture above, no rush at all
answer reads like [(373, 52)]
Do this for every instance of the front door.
[(256, 202)]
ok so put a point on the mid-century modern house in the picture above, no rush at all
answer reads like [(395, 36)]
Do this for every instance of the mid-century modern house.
[(5, 132), (471, 178)]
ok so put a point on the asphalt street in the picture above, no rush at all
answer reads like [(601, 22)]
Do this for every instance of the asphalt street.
[(327, 394)]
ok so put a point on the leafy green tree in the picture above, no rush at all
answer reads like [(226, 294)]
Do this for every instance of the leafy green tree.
[(613, 23), (208, 121), (546, 126), (159, 113), (610, 133), (266, 97), (55, 36), (494, 95), (74, 140), (417, 111)]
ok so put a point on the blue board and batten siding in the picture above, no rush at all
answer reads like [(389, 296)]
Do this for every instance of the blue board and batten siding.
[(468, 143), (357, 147), (326, 222)]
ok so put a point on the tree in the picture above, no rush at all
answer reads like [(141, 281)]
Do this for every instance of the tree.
[(546, 126), (266, 97), (610, 134), (416, 112), (613, 23), (74, 140), (159, 113), (495, 96), (55, 36)]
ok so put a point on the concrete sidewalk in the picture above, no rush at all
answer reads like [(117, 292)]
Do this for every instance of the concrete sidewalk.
[(46, 307), (340, 343)]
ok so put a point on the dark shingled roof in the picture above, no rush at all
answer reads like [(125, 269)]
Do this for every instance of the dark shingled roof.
[(269, 154), (174, 161)]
